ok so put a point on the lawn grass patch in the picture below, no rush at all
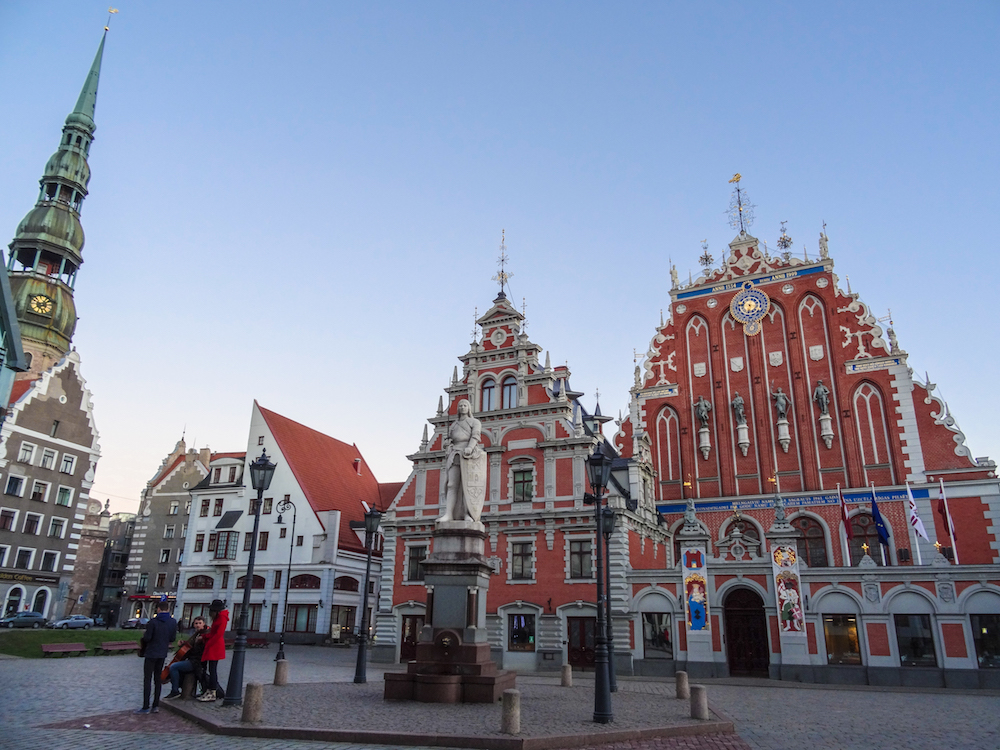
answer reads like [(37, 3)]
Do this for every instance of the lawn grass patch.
[(28, 643)]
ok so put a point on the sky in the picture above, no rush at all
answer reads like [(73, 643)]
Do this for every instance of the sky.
[(302, 203)]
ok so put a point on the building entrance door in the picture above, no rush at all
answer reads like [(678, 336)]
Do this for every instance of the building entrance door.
[(581, 641), (746, 634), (411, 632)]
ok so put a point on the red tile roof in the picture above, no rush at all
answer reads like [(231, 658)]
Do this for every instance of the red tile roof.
[(325, 469), (239, 454), (20, 388), (387, 492)]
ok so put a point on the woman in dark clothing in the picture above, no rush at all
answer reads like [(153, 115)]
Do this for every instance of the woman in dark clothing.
[(161, 631)]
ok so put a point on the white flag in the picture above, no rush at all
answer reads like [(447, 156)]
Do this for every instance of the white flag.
[(915, 522)]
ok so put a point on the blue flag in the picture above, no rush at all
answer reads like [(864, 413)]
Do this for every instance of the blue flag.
[(880, 527)]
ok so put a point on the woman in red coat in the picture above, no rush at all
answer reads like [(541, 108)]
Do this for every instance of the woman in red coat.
[(215, 651)]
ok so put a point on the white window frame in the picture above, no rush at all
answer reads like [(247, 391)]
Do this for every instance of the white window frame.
[(179, 556), (72, 463), (511, 541), (31, 559), (41, 523), (53, 456), (71, 491), (177, 579), (522, 463), (184, 531), (4, 549), (169, 530), (163, 561), (581, 536), (13, 524), (45, 495), (24, 483), (55, 565), (30, 448), (407, 545), (174, 508), (53, 520)]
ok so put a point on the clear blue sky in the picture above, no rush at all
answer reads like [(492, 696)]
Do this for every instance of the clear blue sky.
[(302, 202)]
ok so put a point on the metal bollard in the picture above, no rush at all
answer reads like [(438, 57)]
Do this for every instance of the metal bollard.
[(683, 692), (699, 702), (281, 672), (567, 675), (253, 703), (510, 716)]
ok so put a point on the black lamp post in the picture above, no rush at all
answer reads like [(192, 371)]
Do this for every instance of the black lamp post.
[(609, 528), (261, 473), (372, 519), (599, 472), (283, 507)]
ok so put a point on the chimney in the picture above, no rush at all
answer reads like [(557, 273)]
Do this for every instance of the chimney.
[(206, 456), (357, 466)]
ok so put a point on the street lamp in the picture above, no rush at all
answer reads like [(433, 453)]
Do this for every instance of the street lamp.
[(283, 507), (261, 473), (609, 528), (372, 518), (599, 472)]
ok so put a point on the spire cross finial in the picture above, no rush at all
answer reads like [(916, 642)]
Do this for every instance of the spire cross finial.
[(524, 314), (597, 394), (502, 276), (475, 324)]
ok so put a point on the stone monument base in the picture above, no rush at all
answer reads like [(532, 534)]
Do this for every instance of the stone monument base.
[(453, 663)]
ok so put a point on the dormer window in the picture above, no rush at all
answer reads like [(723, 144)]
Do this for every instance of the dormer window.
[(509, 400), (488, 401)]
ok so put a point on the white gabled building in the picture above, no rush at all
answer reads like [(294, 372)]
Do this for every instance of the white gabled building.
[(328, 481)]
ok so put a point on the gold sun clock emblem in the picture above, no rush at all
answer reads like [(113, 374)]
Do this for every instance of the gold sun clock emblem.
[(40, 304)]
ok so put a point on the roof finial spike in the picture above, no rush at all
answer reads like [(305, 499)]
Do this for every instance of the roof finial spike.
[(740, 208), (454, 375), (423, 440), (502, 276), (661, 317), (548, 362), (440, 410), (524, 315), (848, 284), (475, 325), (86, 104)]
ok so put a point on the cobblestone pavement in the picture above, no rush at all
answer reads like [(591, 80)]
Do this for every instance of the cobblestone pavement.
[(42, 700)]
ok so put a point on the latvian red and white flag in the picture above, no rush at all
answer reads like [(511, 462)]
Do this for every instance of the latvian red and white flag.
[(915, 522), (843, 514)]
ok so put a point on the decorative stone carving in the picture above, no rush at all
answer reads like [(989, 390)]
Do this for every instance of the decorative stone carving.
[(465, 469), (775, 358), (736, 364), (701, 409), (816, 352), (821, 395), (826, 429), (871, 590), (704, 442), (946, 592), (700, 369), (781, 403)]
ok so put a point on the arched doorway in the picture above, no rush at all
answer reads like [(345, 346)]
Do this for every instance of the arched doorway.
[(746, 634)]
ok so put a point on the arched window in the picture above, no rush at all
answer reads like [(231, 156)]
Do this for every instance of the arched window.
[(304, 581), (812, 543), (41, 598), (346, 583), (864, 532), (489, 395), (509, 393), (200, 582), (258, 582), (13, 602)]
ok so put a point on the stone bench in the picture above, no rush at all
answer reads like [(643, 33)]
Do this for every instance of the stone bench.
[(64, 648), (114, 647)]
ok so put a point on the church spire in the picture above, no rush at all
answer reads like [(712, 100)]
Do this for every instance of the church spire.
[(47, 250)]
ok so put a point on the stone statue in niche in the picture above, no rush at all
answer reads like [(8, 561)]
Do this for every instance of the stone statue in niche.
[(739, 410), (701, 410), (821, 395), (781, 403), (464, 468)]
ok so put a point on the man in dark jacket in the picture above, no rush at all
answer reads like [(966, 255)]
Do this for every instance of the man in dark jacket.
[(161, 631)]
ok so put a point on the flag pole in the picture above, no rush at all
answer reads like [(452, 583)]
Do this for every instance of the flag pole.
[(916, 525), (951, 524), (847, 524), (881, 544)]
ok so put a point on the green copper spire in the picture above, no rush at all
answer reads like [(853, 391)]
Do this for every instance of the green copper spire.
[(83, 113), (47, 250)]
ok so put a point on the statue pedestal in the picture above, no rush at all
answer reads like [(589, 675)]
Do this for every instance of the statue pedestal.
[(704, 443), (784, 438), (743, 437), (826, 429), (453, 663)]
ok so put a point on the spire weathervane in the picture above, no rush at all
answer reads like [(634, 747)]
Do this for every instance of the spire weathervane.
[(502, 276), (475, 325), (111, 12), (784, 243), (740, 208), (706, 258)]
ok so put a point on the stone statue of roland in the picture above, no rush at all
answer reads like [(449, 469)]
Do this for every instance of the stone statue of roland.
[(464, 468)]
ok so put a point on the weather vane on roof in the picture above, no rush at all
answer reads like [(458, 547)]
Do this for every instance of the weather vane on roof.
[(705, 258), (740, 208), (502, 276), (475, 325), (111, 12), (785, 243)]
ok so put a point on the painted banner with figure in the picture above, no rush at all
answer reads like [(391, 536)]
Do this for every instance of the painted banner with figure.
[(695, 587), (787, 588)]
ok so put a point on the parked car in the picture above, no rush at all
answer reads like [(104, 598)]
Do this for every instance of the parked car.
[(136, 622), (73, 621), (24, 620), (99, 621)]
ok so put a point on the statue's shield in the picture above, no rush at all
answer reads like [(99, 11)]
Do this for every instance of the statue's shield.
[(474, 483)]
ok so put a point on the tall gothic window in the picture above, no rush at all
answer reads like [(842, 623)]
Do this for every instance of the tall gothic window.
[(864, 532), (509, 392), (489, 395), (812, 543)]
